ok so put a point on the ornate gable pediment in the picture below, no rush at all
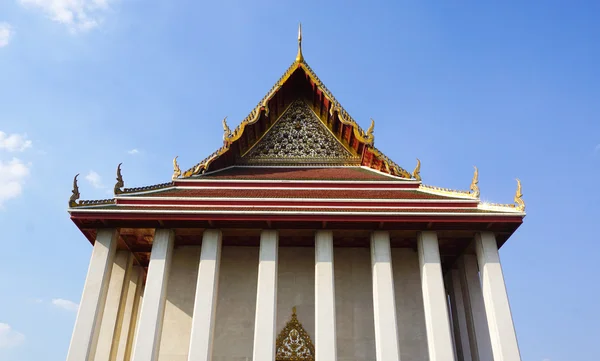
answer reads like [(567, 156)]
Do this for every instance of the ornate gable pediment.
[(299, 136), (293, 343)]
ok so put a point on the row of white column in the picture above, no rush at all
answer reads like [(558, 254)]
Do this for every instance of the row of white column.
[(481, 318)]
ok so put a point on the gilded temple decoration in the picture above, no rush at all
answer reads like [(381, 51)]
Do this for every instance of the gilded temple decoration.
[(299, 135), (416, 174), (446, 191), (74, 193), (226, 130), (299, 56), (345, 118), (119, 184), (520, 203), (176, 169), (474, 187), (293, 343), (391, 167)]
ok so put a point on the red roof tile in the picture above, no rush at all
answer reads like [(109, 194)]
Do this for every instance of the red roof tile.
[(301, 173), (288, 209), (295, 193)]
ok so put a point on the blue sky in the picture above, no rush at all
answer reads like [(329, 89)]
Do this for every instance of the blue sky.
[(511, 88)]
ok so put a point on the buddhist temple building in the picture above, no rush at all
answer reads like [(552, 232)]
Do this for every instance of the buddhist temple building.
[(296, 240)]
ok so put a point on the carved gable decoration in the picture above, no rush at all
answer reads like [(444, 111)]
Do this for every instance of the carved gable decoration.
[(299, 137), (293, 343)]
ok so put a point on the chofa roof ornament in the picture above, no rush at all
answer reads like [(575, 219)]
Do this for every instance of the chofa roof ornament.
[(74, 193), (119, 184)]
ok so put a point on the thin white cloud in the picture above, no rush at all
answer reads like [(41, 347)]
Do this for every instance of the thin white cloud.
[(94, 179), (597, 149), (77, 15), (12, 176), (65, 304), (134, 151), (13, 142), (6, 34), (10, 338)]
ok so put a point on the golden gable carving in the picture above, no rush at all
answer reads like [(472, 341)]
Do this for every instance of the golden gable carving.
[(293, 343)]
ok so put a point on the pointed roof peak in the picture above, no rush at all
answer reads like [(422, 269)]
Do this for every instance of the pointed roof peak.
[(299, 56)]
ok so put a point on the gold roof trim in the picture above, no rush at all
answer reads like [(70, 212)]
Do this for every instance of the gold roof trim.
[(230, 137), (391, 167), (518, 205), (447, 191)]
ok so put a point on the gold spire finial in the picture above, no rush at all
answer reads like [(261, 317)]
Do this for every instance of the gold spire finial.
[(176, 169), (417, 172), (294, 310), (474, 187), (299, 57), (519, 197), (120, 184), (74, 193)]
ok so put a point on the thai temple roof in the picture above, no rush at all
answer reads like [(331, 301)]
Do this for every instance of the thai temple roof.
[(297, 155)]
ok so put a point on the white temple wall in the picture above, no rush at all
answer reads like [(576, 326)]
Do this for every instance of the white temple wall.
[(410, 314), (181, 288), (234, 328), (296, 287), (236, 304), (354, 304)]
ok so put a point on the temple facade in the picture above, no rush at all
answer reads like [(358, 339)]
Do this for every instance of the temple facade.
[(296, 240)]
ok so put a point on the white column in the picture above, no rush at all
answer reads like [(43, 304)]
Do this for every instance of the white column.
[(479, 335), (459, 318), (91, 307), (325, 338), (205, 304), (149, 328), (117, 287), (384, 303), (127, 323), (266, 298), (435, 305), (497, 308)]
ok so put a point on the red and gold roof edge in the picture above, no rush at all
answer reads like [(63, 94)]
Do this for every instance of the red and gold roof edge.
[(302, 195), (383, 164), (336, 110)]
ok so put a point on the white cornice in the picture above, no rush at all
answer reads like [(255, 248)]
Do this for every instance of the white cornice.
[(316, 213), (341, 200)]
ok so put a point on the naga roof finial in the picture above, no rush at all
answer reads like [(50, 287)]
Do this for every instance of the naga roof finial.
[(226, 130), (474, 187), (75, 193), (120, 184), (519, 197), (417, 172), (176, 169), (299, 56), (370, 134)]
